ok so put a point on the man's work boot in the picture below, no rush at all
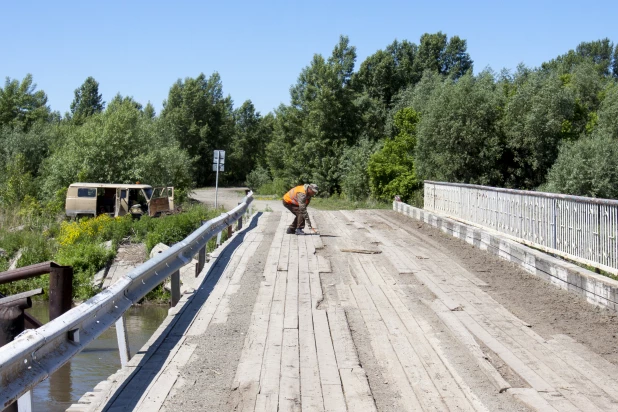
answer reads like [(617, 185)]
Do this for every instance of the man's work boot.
[(299, 232), (290, 231)]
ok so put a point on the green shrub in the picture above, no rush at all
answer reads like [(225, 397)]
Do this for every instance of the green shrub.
[(86, 258), (277, 187), (258, 178)]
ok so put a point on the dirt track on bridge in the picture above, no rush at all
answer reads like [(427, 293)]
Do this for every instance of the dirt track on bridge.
[(548, 309)]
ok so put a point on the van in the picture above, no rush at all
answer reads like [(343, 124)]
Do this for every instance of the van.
[(116, 199)]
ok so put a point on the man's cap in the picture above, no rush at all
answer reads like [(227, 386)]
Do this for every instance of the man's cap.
[(314, 187)]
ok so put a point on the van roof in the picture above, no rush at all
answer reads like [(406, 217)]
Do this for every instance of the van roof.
[(111, 185)]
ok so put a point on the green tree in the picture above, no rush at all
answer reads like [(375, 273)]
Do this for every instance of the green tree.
[(392, 169), (386, 72), (607, 124), (119, 145), (21, 105), (586, 167), (355, 182), (459, 137), (248, 145), (537, 117), (438, 54), (201, 119), (87, 100), (312, 133)]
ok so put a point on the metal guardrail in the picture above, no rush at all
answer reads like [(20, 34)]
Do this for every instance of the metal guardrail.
[(37, 353), (579, 228)]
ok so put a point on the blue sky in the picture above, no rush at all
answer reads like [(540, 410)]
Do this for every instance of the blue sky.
[(140, 49)]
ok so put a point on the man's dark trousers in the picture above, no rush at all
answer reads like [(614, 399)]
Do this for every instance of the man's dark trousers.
[(299, 218)]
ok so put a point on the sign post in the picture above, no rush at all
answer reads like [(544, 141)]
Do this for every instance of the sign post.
[(218, 164)]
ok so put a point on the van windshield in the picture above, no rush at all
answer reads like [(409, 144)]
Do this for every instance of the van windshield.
[(148, 192)]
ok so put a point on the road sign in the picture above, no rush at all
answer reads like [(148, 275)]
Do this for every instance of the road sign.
[(219, 157), (221, 167)]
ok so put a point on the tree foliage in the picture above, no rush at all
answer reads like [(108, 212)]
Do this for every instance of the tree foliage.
[(21, 105), (201, 119), (392, 169), (87, 100)]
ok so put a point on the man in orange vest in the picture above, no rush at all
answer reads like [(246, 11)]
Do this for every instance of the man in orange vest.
[(296, 201)]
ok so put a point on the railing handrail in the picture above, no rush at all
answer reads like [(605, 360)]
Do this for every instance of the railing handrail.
[(548, 195), (581, 229), (37, 353)]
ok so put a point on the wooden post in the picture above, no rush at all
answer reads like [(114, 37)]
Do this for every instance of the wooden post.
[(229, 231), (201, 261), (60, 291), (123, 341), (175, 288)]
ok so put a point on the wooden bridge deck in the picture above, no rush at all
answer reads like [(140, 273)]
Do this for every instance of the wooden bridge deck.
[(331, 329)]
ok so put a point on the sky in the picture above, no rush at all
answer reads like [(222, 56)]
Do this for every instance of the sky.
[(139, 48)]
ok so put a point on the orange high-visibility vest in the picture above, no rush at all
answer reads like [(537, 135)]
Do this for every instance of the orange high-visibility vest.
[(290, 197)]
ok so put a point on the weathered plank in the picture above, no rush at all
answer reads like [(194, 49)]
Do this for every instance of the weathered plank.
[(289, 389)]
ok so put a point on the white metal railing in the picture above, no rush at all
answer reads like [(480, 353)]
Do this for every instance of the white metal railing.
[(36, 353), (579, 228)]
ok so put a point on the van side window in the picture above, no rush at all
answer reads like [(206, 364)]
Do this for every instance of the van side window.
[(85, 192), (123, 194)]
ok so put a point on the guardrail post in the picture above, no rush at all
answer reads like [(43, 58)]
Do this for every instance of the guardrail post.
[(201, 260), (60, 291), (123, 341), (229, 231), (218, 239), (175, 285)]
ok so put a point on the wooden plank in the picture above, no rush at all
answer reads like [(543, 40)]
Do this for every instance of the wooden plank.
[(156, 393), (323, 265), (311, 391), (464, 336), (329, 373), (272, 260), (289, 389), (384, 353), (420, 362), (532, 398), (314, 276), (285, 252), (291, 299), (357, 272), (268, 398), (357, 392), (345, 350), (204, 316), (223, 309), (346, 297), (372, 273)]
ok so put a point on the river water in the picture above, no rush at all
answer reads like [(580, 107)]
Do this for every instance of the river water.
[(97, 361)]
